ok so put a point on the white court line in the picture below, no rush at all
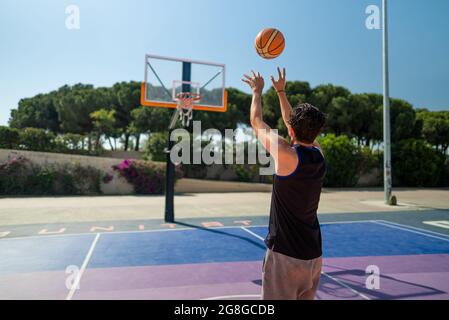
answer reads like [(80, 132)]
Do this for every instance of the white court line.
[(83, 267), (252, 233), (346, 286), (126, 232), (330, 277), (344, 222), (412, 231), (416, 228), (234, 297)]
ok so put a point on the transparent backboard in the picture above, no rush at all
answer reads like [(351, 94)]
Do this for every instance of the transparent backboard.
[(166, 77)]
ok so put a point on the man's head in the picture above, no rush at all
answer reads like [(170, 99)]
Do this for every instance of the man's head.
[(306, 122)]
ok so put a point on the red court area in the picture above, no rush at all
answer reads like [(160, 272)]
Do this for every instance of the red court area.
[(222, 263)]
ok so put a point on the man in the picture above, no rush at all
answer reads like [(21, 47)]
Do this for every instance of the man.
[(292, 264)]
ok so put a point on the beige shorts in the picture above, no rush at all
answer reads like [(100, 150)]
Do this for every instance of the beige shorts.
[(287, 278)]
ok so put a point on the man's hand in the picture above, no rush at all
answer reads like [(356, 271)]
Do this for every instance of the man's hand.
[(279, 84), (256, 82)]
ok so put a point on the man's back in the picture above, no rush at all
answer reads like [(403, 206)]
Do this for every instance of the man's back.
[(294, 228)]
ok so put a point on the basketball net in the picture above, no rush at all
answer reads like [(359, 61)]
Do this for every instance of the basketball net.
[(185, 106)]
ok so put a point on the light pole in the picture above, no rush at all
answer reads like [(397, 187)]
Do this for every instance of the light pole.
[(386, 114)]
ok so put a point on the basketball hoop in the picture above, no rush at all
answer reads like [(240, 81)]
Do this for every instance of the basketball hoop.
[(185, 102)]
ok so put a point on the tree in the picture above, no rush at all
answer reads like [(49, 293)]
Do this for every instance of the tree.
[(36, 112), (104, 124), (322, 96), (344, 160), (156, 144), (237, 113), (403, 121), (435, 128), (36, 139), (146, 120), (416, 164), (125, 98), (71, 141), (9, 137), (75, 104)]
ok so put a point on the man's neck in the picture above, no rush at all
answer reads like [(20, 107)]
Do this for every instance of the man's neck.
[(303, 144)]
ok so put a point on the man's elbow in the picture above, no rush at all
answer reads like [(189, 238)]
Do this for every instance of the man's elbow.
[(255, 122)]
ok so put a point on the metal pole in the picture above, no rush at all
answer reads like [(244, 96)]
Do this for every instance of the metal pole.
[(169, 183), (386, 102), (170, 167)]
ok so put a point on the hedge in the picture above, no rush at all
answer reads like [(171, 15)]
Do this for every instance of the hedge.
[(415, 163), (19, 176)]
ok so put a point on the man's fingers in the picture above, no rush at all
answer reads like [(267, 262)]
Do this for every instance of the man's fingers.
[(258, 74), (279, 73), (246, 81), (283, 71), (254, 75), (247, 77)]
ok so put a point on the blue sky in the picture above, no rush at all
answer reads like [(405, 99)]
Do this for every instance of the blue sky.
[(326, 42)]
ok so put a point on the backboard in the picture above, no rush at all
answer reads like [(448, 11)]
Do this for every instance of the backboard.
[(166, 77)]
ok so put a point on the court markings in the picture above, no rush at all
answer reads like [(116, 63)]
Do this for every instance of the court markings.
[(440, 224), (345, 285), (393, 225), (253, 234), (127, 232), (80, 273), (410, 229), (341, 283), (162, 230)]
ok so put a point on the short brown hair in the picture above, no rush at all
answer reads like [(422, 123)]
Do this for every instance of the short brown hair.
[(307, 122)]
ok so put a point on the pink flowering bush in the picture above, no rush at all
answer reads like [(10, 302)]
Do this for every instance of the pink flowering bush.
[(146, 177)]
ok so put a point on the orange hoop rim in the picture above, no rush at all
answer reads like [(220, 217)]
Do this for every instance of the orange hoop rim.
[(188, 96)]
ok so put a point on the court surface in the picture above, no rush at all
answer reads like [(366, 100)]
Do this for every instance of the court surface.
[(197, 259)]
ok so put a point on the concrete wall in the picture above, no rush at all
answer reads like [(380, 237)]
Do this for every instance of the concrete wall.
[(119, 154), (119, 186)]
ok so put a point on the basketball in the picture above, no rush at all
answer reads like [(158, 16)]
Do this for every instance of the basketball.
[(270, 43)]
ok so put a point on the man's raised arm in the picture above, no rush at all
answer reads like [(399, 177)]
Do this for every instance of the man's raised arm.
[(284, 156), (279, 86)]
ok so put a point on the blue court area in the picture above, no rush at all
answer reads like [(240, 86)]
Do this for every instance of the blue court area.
[(229, 258)]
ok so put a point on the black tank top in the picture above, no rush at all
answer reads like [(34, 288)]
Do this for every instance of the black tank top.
[(294, 229)]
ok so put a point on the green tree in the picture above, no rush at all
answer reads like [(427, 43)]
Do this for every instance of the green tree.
[(416, 164), (125, 97), (75, 104), (435, 128), (403, 121), (322, 96), (36, 112), (156, 144), (146, 120), (71, 141), (344, 160), (36, 139), (104, 124), (9, 137)]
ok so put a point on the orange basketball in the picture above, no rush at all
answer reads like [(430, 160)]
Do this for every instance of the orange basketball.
[(269, 43)]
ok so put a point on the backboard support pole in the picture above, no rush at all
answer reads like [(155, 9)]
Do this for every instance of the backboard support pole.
[(170, 166), (386, 111), (169, 183)]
